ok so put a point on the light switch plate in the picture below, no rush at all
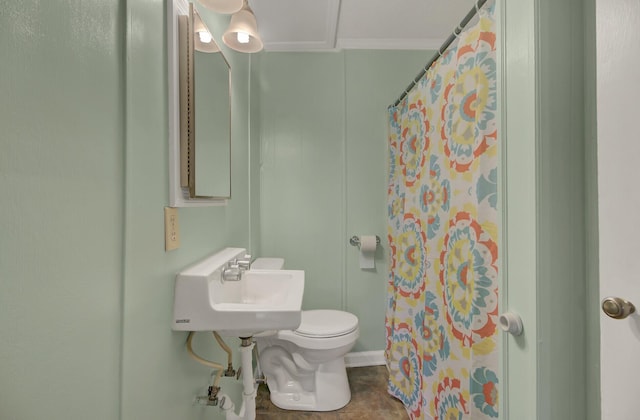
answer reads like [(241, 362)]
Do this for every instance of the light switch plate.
[(171, 229)]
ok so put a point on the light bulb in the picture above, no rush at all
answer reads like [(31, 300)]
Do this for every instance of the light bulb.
[(205, 37), (243, 37)]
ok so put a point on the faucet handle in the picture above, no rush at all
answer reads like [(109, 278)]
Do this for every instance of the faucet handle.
[(232, 272), (244, 263)]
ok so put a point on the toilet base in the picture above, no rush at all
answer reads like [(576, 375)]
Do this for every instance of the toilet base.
[(332, 391)]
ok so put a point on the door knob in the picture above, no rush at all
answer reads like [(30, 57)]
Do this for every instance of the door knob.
[(617, 308)]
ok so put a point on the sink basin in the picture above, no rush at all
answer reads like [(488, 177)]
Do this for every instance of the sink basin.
[(262, 300)]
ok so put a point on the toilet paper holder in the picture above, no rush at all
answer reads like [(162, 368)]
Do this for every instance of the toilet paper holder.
[(355, 240)]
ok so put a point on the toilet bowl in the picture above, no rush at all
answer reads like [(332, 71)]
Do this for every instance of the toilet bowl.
[(305, 368)]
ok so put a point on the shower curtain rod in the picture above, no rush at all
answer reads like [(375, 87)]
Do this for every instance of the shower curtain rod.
[(472, 13)]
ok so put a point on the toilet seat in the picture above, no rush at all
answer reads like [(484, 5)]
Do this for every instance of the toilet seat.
[(325, 323), (323, 329)]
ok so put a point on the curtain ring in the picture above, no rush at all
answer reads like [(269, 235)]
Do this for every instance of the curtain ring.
[(457, 31)]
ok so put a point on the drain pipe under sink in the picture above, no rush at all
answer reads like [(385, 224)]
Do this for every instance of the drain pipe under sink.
[(249, 385)]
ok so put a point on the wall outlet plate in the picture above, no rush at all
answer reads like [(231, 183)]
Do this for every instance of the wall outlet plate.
[(171, 229)]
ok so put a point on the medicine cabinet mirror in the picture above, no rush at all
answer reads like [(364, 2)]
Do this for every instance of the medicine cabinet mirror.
[(200, 112)]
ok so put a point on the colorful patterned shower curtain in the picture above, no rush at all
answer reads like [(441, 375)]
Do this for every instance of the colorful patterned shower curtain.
[(443, 235)]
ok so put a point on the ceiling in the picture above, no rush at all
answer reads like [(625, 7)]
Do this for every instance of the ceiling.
[(311, 25)]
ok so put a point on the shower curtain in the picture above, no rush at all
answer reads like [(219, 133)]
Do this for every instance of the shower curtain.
[(442, 309)]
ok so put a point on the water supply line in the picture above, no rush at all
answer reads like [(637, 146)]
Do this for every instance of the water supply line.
[(217, 366), (230, 371), (250, 387)]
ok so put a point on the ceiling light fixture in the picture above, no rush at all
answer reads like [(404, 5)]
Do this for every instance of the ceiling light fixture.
[(226, 7), (242, 34)]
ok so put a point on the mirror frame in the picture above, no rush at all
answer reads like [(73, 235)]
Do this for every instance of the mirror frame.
[(182, 139)]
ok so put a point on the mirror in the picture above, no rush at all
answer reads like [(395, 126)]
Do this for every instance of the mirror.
[(213, 126), (204, 113)]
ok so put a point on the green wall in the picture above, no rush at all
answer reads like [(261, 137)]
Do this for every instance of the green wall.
[(561, 213), (159, 379), (323, 145), (86, 288), (551, 210), (62, 184)]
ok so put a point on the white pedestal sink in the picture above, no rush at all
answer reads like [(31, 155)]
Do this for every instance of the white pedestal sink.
[(261, 300)]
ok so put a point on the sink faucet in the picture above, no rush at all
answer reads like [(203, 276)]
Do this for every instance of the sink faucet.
[(234, 269)]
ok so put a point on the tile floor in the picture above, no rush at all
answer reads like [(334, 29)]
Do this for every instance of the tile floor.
[(369, 400)]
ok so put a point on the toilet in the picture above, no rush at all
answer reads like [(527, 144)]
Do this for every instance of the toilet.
[(305, 369)]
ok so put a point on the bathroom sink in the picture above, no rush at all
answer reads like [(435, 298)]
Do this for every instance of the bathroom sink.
[(261, 300)]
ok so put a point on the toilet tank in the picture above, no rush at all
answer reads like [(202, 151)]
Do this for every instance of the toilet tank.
[(268, 264)]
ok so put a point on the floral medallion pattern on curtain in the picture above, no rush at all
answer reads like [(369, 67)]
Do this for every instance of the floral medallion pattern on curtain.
[(443, 235)]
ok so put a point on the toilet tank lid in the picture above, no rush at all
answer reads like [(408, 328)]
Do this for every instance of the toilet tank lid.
[(326, 323), (268, 264)]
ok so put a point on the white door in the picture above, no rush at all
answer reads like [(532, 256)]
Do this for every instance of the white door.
[(618, 44)]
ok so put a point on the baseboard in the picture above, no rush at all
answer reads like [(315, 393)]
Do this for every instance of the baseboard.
[(365, 358)]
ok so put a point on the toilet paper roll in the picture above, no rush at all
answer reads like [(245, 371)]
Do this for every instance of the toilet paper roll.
[(367, 251), (368, 243)]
